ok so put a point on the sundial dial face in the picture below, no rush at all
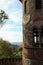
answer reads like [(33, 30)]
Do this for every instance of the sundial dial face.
[(3, 18), (26, 20)]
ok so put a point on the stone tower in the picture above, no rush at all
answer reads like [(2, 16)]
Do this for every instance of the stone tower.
[(32, 32)]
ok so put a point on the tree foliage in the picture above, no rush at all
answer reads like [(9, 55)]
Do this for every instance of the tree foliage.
[(3, 17), (18, 53), (7, 51)]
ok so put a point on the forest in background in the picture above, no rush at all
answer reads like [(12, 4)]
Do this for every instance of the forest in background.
[(9, 51)]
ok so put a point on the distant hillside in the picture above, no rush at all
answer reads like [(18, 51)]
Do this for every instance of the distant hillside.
[(8, 50), (16, 43)]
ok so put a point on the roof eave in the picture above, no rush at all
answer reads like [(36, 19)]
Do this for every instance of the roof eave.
[(21, 1)]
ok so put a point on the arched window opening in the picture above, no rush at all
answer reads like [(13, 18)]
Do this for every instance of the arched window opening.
[(35, 37), (38, 4), (25, 6)]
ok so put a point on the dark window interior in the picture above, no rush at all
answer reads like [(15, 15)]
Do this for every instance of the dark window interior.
[(25, 6), (38, 4), (41, 37), (35, 37)]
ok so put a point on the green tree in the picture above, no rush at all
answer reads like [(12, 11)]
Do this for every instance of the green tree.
[(18, 53), (6, 50), (3, 17)]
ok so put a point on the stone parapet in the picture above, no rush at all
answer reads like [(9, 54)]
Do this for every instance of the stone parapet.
[(33, 53), (32, 61)]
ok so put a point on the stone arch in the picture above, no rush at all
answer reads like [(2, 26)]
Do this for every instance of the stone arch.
[(39, 18)]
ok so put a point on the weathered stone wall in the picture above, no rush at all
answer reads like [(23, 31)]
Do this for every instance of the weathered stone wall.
[(31, 13), (31, 10), (32, 62), (31, 56), (27, 34)]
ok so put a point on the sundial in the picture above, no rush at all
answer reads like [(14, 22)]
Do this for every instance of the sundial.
[(3, 18), (27, 19)]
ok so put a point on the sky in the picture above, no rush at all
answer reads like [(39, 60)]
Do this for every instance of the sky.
[(12, 29)]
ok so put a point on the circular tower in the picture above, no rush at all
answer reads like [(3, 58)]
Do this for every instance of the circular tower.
[(32, 32)]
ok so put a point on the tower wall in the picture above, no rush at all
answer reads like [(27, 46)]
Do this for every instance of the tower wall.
[(32, 17), (31, 10)]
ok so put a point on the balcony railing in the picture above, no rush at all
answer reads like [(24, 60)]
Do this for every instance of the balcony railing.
[(11, 61)]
